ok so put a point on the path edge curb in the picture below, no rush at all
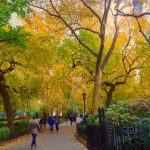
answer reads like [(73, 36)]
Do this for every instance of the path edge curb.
[(80, 140)]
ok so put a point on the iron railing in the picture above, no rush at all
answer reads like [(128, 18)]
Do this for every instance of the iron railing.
[(115, 136)]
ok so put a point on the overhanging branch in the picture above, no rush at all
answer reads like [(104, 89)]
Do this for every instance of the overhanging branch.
[(58, 15), (90, 8)]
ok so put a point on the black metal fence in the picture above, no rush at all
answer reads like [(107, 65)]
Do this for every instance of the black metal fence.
[(81, 131), (115, 136), (127, 136)]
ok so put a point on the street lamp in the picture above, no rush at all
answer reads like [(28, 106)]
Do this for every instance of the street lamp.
[(84, 96)]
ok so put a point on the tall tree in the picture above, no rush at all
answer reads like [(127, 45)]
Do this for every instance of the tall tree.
[(13, 35), (104, 13)]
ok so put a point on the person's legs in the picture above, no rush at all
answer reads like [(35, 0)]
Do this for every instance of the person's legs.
[(42, 126), (52, 128), (57, 128), (32, 143), (33, 139)]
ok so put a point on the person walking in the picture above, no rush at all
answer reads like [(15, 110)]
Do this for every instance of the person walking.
[(56, 121), (51, 123), (41, 123), (33, 127), (71, 119)]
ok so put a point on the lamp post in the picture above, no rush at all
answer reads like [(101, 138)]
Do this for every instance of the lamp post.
[(84, 96)]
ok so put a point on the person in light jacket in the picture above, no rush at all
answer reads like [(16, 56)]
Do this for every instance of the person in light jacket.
[(33, 127)]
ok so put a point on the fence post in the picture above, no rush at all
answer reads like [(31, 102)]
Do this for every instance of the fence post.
[(121, 134), (101, 113)]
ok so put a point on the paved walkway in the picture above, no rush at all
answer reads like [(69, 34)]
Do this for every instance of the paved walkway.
[(63, 140)]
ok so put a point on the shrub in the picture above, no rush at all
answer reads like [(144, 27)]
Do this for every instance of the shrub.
[(4, 133), (140, 108), (23, 125), (137, 143), (2, 124), (92, 120), (133, 113), (116, 111), (128, 113)]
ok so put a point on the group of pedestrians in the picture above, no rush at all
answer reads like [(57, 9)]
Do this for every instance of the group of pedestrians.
[(53, 121), (77, 118), (34, 127)]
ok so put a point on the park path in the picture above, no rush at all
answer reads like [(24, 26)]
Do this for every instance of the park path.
[(63, 140)]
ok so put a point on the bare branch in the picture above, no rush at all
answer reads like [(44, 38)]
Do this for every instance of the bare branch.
[(90, 8), (136, 58), (67, 24), (39, 7), (102, 33), (132, 15), (127, 74), (22, 89), (121, 13), (140, 29), (87, 29), (123, 51), (126, 58), (12, 63), (105, 61)]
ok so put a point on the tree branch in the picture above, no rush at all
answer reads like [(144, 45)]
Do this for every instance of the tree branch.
[(121, 13), (140, 29), (105, 61), (39, 7), (22, 89), (11, 67), (132, 15), (67, 24), (87, 29), (85, 4)]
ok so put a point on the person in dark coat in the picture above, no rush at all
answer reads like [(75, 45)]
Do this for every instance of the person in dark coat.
[(71, 119), (42, 122), (56, 121), (51, 123)]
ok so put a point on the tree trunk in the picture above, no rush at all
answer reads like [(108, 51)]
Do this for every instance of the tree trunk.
[(109, 96), (7, 105), (96, 92)]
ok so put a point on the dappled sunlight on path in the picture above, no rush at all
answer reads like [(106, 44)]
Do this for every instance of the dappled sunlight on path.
[(63, 140)]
